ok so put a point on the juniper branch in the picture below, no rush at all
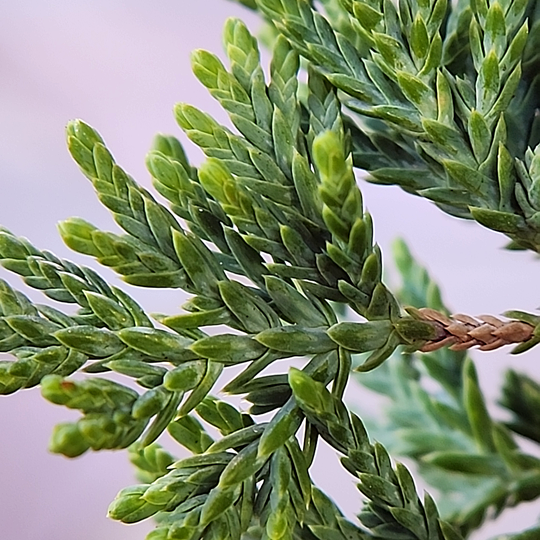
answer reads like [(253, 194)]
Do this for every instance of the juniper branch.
[(420, 114), (394, 506), (404, 79), (460, 450), (223, 180)]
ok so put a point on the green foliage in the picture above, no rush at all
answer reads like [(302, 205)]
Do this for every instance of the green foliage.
[(440, 80), (472, 460), (270, 238)]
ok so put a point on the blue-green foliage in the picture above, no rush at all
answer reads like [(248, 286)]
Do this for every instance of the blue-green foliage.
[(270, 239)]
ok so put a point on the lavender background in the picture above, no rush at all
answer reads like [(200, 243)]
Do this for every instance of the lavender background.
[(121, 66)]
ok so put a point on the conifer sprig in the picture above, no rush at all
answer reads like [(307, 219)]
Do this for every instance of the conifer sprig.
[(407, 74), (62, 281), (473, 460), (273, 232), (394, 507)]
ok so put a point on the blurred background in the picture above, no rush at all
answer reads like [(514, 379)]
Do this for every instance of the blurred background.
[(120, 66)]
